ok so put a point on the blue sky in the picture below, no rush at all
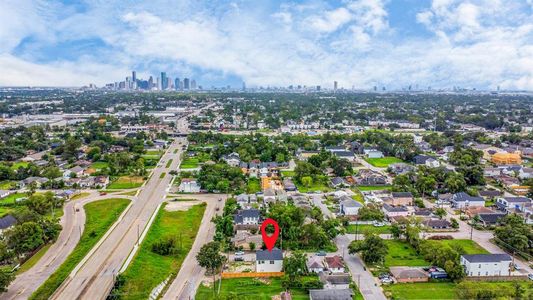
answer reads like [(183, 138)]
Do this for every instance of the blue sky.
[(359, 43)]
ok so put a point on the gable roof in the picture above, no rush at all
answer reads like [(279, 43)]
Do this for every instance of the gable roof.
[(486, 258), (463, 197), (402, 194), (276, 254), (331, 294), (7, 221), (334, 262)]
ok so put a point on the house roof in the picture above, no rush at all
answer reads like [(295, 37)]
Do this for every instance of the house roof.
[(402, 194), (517, 199), (490, 193), (407, 272), (491, 218), (334, 261), (391, 208), (335, 278), (7, 221), (276, 254), (437, 223), (331, 294), (486, 258), (350, 203), (463, 197), (337, 180)]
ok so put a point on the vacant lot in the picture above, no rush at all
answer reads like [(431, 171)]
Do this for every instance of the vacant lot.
[(402, 254), (126, 182), (470, 247), (148, 268), (365, 188), (190, 163), (383, 162), (254, 186), (249, 288), (100, 216), (364, 228)]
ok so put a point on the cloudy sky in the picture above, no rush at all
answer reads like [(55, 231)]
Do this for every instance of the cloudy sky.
[(360, 43)]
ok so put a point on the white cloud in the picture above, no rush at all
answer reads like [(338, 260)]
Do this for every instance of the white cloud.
[(330, 21)]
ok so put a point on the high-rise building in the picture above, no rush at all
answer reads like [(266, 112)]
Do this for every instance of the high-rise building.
[(318, 88), (134, 76), (158, 84), (186, 85), (150, 83), (193, 84), (244, 86), (181, 85), (177, 83), (164, 81), (335, 85)]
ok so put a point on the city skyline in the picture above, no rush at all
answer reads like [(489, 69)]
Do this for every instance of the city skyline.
[(476, 44)]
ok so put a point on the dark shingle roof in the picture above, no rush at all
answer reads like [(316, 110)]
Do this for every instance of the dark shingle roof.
[(486, 258), (401, 194), (7, 221), (331, 294), (276, 254)]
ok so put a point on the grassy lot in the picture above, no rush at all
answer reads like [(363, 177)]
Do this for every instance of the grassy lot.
[(98, 165), (315, 186), (169, 162), (126, 182), (7, 184), (422, 290), (190, 163), (154, 152), (130, 193), (162, 175), (365, 188), (11, 198), (254, 186), (287, 173), (100, 216), (469, 246), (383, 162), (33, 260), (80, 196), (362, 228), (249, 288), (5, 211), (19, 164), (149, 269), (403, 254), (358, 197), (447, 290)]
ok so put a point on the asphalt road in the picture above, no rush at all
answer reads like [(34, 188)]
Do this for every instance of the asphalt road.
[(73, 223), (191, 274), (94, 279)]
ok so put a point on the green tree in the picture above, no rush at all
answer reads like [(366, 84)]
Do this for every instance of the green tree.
[(372, 249), (6, 277), (209, 257), (25, 237), (307, 181), (440, 212), (295, 265)]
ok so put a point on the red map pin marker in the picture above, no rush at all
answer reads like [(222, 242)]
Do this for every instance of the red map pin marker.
[(270, 241)]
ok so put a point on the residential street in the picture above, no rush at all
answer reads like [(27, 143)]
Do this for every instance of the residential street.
[(191, 274)]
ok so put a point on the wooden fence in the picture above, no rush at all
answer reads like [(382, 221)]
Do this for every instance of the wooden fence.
[(252, 274)]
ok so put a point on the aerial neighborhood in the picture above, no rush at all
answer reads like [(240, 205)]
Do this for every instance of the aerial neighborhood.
[(371, 202)]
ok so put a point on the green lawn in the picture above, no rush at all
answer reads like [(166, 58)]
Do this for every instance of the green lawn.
[(358, 197), (98, 165), (190, 163), (100, 216), (403, 254), (7, 184), (315, 186), (288, 173), (149, 269), (469, 246), (254, 186), (80, 196), (383, 162), (162, 175), (126, 182), (249, 288), (422, 290), (5, 211), (154, 152), (19, 164), (33, 260), (169, 162), (448, 290), (362, 228), (366, 188), (11, 198)]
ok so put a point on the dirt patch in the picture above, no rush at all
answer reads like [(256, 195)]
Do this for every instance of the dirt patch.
[(179, 205)]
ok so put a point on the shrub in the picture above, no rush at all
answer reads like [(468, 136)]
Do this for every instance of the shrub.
[(165, 246)]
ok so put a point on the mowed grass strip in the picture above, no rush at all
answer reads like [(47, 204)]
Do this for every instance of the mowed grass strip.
[(126, 182), (100, 216), (169, 162), (190, 163), (422, 290), (148, 269), (33, 260), (249, 288)]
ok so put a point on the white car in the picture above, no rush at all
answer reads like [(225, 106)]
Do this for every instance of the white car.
[(530, 276), (517, 267), (386, 280), (239, 253)]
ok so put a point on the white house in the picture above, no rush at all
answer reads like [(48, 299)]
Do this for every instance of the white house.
[(5, 193), (269, 261), (77, 171), (395, 211), (232, 159), (509, 203), (373, 153), (335, 264), (486, 264), (349, 207), (315, 264), (189, 185), (463, 200)]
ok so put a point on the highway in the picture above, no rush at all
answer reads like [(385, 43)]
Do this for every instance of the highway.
[(73, 223), (94, 278)]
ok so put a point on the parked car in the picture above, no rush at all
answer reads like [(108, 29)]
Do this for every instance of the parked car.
[(530, 276), (239, 253), (321, 253), (517, 267), (238, 258), (387, 280)]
